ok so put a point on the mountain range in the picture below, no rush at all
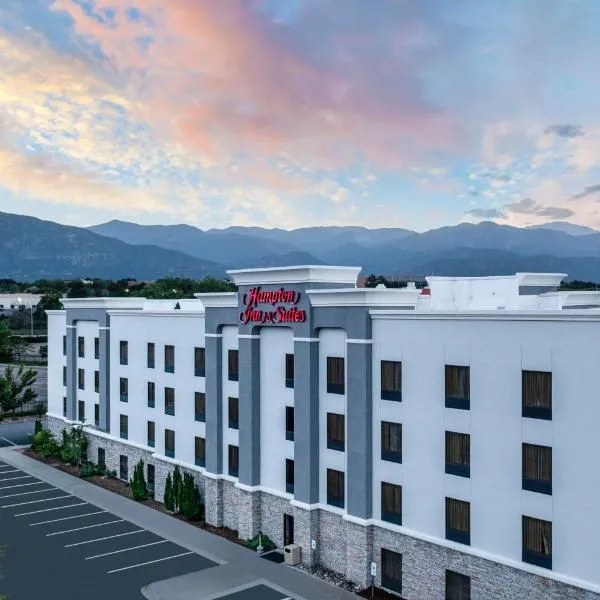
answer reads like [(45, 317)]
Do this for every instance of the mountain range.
[(31, 249)]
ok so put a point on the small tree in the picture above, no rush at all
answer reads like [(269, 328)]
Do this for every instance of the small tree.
[(138, 483), (191, 500), (177, 487), (74, 446), (16, 389), (169, 501)]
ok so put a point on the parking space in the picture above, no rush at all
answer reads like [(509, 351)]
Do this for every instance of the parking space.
[(256, 592), (15, 434), (76, 548)]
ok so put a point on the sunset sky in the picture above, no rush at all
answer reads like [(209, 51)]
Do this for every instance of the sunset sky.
[(290, 113)]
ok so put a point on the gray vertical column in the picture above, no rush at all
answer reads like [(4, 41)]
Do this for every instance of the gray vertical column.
[(306, 421), (104, 335), (214, 403), (71, 370), (359, 429), (249, 410)]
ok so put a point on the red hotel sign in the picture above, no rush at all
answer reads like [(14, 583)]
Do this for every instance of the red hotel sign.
[(285, 312)]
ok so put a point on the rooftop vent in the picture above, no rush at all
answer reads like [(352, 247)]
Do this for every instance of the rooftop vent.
[(380, 285)]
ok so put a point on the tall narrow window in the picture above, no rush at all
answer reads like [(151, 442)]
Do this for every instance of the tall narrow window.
[(151, 394), (81, 379), (123, 352), (200, 406), (537, 542), (336, 433), (96, 348), (232, 365), (335, 488), (458, 387), (335, 375), (391, 380), (537, 468), (234, 460), (199, 362), (151, 434), (391, 503), (64, 406), (124, 426), (64, 345), (289, 476), (289, 370), (81, 410), (151, 476), (150, 355), (289, 423), (458, 521), (537, 395), (65, 376), (391, 570), (101, 457), (81, 346), (458, 586), (169, 443), (123, 389), (233, 413), (169, 401), (200, 452), (391, 441), (96, 414), (123, 468), (97, 382), (458, 454), (170, 359)]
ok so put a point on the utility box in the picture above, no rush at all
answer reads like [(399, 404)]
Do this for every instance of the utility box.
[(291, 554)]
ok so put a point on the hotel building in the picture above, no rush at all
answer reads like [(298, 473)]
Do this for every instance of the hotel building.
[(448, 435)]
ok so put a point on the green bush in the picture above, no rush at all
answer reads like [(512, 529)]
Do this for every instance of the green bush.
[(74, 446), (267, 543), (100, 470), (44, 443), (191, 506), (138, 483), (111, 473), (87, 470), (37, 427), (177, 487), (169, 500)]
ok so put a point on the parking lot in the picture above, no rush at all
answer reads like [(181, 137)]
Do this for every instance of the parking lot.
[(15, 434), (46, 531)]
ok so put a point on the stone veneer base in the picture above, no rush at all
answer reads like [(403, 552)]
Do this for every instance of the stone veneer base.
[(343, 546)]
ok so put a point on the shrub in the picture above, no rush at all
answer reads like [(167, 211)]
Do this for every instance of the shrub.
[(191, 506), (87, 470), (100, 470), (138, 483), (266, 541), (37, 427), (74, 446), (169, 500), (44, 443), (177, 487), (111, 473)]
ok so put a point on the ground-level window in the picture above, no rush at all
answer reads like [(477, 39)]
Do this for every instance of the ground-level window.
[(151, 476), (101, 457), (123, 469), (391, 570), (458, 586)]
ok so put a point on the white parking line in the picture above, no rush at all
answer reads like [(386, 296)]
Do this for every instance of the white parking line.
[(126, 549), (3, 438), (110, 537), (13, 478), (12, 471), (99, 512), (36, 501), (35, 512), (50, 489), (150, 562), (9, 487), (3, 466), (82, 528)]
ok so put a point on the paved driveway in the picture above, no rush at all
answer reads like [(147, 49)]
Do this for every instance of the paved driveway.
[(15, 434)]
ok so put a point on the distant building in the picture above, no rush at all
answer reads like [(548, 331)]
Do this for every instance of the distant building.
[(12, 302)]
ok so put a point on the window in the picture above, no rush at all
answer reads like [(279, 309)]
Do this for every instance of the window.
[(151, 394), (64, 406), (123, 470), (81, 410), (458, 387), (335, 488), (537, 542), (233, 365), (234, 459), (64, 345), (200, 452), (170, 359), (169, 443), (335, 432), (200, 406), (391, 570), (81, 346), (123, 352), (101, 457), (458, 587), (97, 348), (150, 357), (537, 395), (124, 426), (199, 362), (391, 441), (391, 503), (233, 413), (124, 389), (537, 468), (391, 380), (169, 401), (96, 415), (289, 476), (151, 434), (458, 521), (97, 382), (81, 379), (289, 423), (289, 370), (151, 479), (335, 375), (65, 376), (458, 454)]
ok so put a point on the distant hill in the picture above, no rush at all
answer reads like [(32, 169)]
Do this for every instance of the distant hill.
[(565, 227)]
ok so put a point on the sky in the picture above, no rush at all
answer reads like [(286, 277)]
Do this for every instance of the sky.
[(295, 113)]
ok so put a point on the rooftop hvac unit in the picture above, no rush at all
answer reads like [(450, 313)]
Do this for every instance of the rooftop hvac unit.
[(292, 554)]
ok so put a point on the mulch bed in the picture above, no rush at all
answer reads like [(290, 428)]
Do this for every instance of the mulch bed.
[(378, 594)]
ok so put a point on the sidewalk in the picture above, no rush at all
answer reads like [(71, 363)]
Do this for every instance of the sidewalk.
[(238, 568)]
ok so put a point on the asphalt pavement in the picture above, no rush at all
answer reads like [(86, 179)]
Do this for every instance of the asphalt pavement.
[(15, 434)]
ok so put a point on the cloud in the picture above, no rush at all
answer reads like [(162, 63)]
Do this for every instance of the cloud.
[(588, 191), (485, 213), (565, 131), (527, 206)]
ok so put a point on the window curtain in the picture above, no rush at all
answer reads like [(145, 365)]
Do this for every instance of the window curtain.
[(537, 535), (457, 382), (537, 389), (458, 515), (391, 497), (537, 462), (391, 376), (391, 436), (458, 448)]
